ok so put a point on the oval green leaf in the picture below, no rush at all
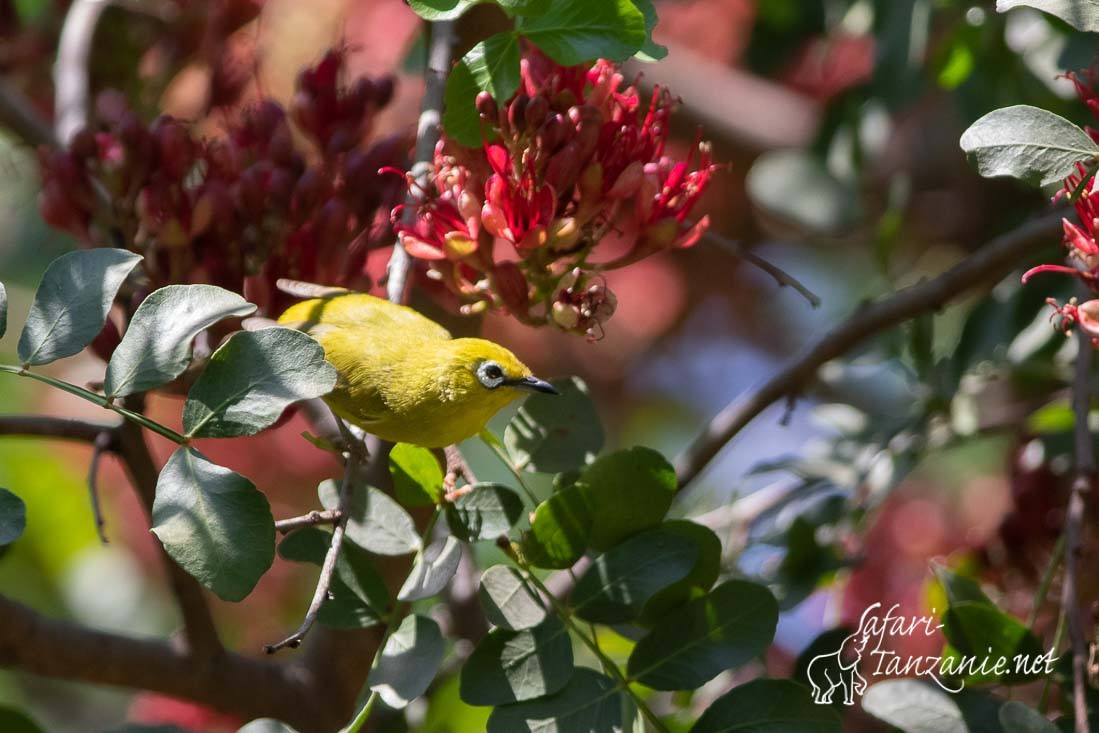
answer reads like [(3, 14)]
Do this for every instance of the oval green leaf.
[(979, 630), (13, 517), (724, 629), (768, 706), (559, 531), (409, 661), (485, 513), (72, 303), (435, 565), (620, 582), (701, 577), (375, 522), (417, 475), (589, 703), (214, 523), (508, 600), (628, 491), (555, 433), (1082, 15), (251, 379), (1017, 717), (918, 707), (574, 31), (511, 666), (156, 347), (1030, 144)]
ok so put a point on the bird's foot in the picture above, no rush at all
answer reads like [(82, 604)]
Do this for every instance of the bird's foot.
[(456, 467)]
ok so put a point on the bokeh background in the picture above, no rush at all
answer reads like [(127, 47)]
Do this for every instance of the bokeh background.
[(839, 123)]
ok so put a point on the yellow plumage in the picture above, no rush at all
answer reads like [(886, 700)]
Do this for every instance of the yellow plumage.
[(402, 376)]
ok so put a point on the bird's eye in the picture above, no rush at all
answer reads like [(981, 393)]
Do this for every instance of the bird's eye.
[(491, 374)]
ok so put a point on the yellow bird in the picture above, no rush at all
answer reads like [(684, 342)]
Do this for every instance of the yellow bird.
[(401, 375)]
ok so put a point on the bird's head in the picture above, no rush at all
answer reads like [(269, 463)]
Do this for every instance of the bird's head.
[(496, 370)]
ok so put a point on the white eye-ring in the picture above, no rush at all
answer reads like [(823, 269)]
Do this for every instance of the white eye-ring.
[(490, 374)]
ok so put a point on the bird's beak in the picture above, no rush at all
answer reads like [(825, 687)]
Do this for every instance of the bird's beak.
[(534, 384)]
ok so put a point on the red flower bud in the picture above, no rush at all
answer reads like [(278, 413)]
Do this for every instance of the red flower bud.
[(487, 108)]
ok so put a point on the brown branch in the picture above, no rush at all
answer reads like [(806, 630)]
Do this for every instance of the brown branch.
[(18, 114), (985, 266), (248, 688), (104, 442), (1074, 523), (63, 428), (70, 71), (313, 518), (782, 278)]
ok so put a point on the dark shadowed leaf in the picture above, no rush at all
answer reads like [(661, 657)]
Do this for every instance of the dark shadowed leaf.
[(724, 629), (575, 31), (768, 706), (587, 704), (409, 661), (1017, 717), (72, 303), (16, 721), (650, 50), (435, 565), (214, 523), (375, 521), (919, 707), (508, 601), (3, 310), (1031, 144), (628, 491), (621, 581), (796, 187), (251, 379), (555, 433), (958, 587), (417, 475), (976, 629), (156, 347), (510, 666), (13, 517), (460, 118), (701, 577), (559, 531), (485, 513), (1080, 14)]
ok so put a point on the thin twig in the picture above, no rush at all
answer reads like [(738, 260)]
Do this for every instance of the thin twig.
[(427, 135), (63, 428), (103, 443), (18, 115), (985, 266), (782, 278), (1074, 523), (313, 518)]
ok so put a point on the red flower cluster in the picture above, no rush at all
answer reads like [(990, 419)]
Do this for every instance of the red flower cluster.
[(1080, 240), (571, 157), (243, 210)]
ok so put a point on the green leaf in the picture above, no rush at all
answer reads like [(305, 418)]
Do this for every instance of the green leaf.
[(266, 725), (157, 345), (375, 522), (1028, 143), (918, 707), (1016, 717), (508, 600), (3, 310), (701, 577), (559, 531), (494, 65), (650, 50), (214, 523), (72, 303), (512, 666), (555, 433), (724, 629), (524, 7), (435, 565), (575, 31), (976, 629), (13, 517), (417, 475), (628, 491), (1082, 15), (589, 703), (460, 118), (620, 582), (251, 380), (485, 513), (768, 706), (441, 9), (409, 661), (16, 721), (958, 587), (797, 188)]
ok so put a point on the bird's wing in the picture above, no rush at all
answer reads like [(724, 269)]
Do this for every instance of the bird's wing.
[(373, 317)]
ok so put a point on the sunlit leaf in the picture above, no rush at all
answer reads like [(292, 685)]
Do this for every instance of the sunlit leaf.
[(375, 522), (251, 379), (510, 666), (409, 661), (1031, 144), (768, 706), (266, 725), (559, 531), (724, 629), (494, 65), (72, 303), (214, 523), (1080, 14), (508, 601), (575, 31), (485, 513), (589, 703), (156, 347), (628, 491), (433, 568), (13, 517), (417, 475), (918, 707), (555, 433), (976, 629)]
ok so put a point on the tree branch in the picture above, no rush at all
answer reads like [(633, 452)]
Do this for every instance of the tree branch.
[(63, 428), (1074, 524), (782, 278), (19, 115), (988, 264), (70, 71), (104, 443), (313, 518)]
